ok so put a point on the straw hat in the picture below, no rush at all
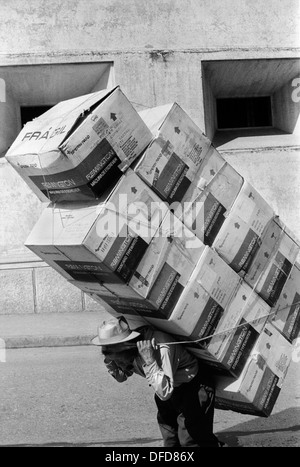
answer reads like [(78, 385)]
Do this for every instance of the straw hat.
[(114, 331)]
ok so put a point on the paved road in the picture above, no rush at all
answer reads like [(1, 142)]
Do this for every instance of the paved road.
[(64, 397)]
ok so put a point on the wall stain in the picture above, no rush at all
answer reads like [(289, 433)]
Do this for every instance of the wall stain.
[(163, 55)]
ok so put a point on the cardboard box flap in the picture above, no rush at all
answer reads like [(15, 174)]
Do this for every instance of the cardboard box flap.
[(66, 224), (48, 131), (155, 116)]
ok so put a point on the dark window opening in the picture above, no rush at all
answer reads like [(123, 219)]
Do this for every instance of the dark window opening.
[(246, 112), (28, 113)]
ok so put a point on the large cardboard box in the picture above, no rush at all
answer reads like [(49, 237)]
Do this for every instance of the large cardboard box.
[(257, 388), (273, 261), (106, 289), (203, 300), (211, 194), (239, 327), (161, 275), (240, 235), (286, 313), (100, 241), (127, 306), (107, 298), (175, 154), (167, 264), (121, 308), (79, 147)]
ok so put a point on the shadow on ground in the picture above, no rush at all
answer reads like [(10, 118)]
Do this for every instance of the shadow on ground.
[(135, 442), (275, 427), (277, 430)]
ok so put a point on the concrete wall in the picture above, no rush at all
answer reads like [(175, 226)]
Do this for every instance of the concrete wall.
[(43, 26), (286, 110), (36, 288), (278, 186), (157, 48)]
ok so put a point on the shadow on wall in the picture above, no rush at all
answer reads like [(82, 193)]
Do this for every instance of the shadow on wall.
[(279, 430)]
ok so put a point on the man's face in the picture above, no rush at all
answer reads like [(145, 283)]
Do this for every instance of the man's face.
[(123, 354)]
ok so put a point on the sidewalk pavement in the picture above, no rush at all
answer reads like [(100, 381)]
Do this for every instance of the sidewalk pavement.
[(49, 329)]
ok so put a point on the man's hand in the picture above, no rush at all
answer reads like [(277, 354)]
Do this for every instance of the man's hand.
[(146, 351)]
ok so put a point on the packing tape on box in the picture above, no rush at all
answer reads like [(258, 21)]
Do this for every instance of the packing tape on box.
[(43, 175), (123, 166), (202, 186)]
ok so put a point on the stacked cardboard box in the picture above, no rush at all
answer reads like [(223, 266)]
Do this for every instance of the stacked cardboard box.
[(117, 299), (80, 146), (238, 329), (185, 170), (74, 154), (152, 222), (97, 240), (160, 277), (257, 388), (203, 300), (143, 261), (244, 231), (174, 157), (286, 313), (273, 262)]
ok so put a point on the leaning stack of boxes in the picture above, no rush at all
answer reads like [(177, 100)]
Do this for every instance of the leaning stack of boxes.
[(150, 220)]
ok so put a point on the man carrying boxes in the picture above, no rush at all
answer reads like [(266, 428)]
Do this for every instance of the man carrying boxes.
[(183, 391), (152, 222)]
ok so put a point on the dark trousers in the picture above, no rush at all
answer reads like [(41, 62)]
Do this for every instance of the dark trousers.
[(186, 419)]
